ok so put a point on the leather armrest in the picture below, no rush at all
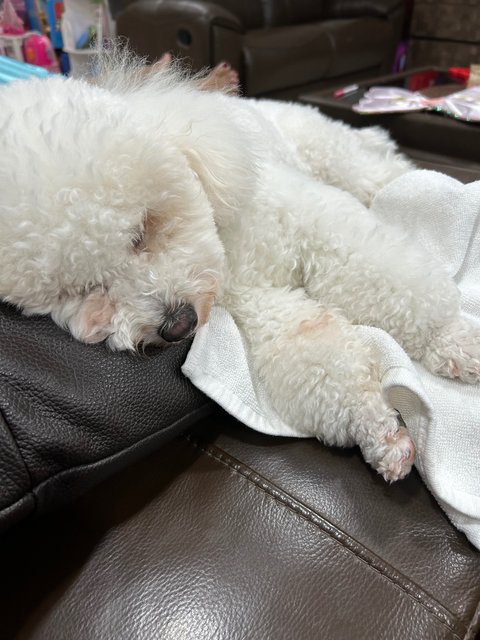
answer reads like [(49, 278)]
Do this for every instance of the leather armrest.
[(184, 12), (216, 15), (186, 28), (356, 8)]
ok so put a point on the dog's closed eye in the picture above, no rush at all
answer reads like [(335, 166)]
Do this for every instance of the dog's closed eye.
[(145, 237), (138, 240)]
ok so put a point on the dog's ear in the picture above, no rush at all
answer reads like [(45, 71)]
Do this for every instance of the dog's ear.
[(225, 168), (92, 321)]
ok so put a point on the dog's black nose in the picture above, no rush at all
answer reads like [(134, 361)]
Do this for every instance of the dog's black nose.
[(180, 323)]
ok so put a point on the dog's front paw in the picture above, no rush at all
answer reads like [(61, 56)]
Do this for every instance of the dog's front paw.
[(399, 456), (455, 352), (392, 456)]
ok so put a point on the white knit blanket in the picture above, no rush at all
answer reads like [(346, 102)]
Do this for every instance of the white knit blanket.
[(443, 416)]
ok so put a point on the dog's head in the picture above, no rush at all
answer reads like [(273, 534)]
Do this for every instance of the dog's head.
[(162, 295), (116, 234), (154, 286), (148, 266)]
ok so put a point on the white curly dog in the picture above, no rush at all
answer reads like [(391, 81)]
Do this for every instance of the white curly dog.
[(129, 207)]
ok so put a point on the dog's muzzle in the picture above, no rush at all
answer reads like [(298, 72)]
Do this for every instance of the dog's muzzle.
[(180, 323)]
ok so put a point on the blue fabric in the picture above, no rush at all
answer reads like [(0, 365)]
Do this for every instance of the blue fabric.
[(11, 69)]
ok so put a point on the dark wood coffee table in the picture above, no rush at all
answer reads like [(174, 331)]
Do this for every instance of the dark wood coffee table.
[(430, 138)]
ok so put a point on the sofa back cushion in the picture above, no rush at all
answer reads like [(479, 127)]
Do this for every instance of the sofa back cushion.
[(249, 12), (279, 13), (282, 57)]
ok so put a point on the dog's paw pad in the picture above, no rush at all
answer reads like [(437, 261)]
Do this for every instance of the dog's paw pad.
[(398, 459)]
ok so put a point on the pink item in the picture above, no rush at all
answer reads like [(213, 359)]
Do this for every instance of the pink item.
[(11, 23), (38, 50)]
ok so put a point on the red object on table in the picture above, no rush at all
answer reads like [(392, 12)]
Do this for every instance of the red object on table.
[(460, 74)]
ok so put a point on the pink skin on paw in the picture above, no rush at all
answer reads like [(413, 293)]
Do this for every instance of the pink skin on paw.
[(397, 463)]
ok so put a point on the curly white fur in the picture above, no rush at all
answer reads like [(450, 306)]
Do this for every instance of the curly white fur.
[(129, 207)]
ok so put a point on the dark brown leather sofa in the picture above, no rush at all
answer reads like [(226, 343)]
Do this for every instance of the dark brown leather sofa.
[(281, 47)]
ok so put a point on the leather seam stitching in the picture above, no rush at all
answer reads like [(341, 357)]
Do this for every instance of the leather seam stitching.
[(444, 616)]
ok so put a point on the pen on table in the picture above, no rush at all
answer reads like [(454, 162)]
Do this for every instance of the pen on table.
[(344, 91)]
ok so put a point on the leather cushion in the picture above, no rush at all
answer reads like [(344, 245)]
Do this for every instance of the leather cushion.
[(355, 8), (231, 534), (295, 55), (71, 414), (288, 12)]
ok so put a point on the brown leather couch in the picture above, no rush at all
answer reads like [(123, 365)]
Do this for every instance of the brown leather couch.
[(226, 534), (281, 47)]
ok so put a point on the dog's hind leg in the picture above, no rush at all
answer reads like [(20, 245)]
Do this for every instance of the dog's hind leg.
[(377, 276), (389, 283), (454, 351), (360, 161), (321, 378)]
